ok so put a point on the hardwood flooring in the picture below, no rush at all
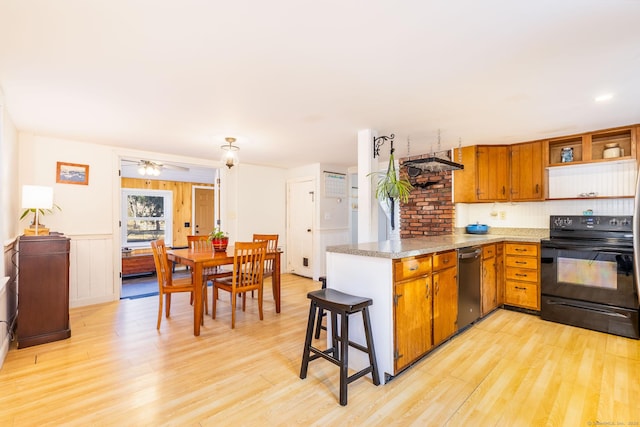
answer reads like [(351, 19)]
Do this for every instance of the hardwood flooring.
[(511, 369)]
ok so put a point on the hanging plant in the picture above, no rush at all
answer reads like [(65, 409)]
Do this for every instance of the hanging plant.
[(390, 187)]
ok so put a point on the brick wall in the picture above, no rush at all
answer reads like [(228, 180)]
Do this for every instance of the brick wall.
[(429, 211)]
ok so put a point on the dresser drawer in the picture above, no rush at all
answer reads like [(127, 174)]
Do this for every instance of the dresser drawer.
[(522, 294), (407, 268), (488, 251), (445, 260), (526, 249), (521, 262), (515, 273)]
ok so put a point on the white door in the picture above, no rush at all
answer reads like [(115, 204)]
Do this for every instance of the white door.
[(300, 227)]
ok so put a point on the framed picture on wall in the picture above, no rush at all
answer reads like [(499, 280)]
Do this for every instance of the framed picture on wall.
[(72, 173)]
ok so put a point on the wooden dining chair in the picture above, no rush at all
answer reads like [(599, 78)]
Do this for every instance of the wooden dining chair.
[(248, 268), (201, 243), (272, 246), (167, 285)]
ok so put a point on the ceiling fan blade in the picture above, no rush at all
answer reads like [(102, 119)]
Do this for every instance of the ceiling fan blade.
[(173, 167)]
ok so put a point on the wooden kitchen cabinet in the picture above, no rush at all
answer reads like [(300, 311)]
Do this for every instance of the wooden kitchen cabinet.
[(527, 172), (493, 173), (522, 275), (445, 296), (485, 177), (43, 289), (413, 311), (488, 283), (500, 273)]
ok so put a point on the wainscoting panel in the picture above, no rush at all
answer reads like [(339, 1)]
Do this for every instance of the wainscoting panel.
[(91, 270), (8, 298)]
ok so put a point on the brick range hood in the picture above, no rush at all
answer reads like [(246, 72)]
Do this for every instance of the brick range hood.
[(430, 210)]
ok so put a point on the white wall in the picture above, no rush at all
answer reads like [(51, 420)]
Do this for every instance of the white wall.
[(260, 204), (331, 215)]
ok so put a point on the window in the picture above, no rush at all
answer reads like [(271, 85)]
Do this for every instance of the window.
[(147, 216)]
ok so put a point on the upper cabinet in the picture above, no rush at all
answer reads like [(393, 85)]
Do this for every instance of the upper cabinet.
[(485, 177), (500, 173), (551, 169), (527, 171), (599, 146)]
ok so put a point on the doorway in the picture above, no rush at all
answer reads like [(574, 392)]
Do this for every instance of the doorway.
[(204, 210), (193, 204), (301, 196)]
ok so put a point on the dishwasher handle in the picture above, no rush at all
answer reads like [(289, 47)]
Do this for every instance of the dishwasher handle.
[(468, 254)]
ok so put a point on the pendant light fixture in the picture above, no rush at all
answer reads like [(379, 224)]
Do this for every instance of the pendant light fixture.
[(230, 153)]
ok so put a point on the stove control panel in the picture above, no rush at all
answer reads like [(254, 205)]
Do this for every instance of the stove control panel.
[(596, 222)]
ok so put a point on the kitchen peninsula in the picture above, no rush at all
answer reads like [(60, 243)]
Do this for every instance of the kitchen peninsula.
[(405, 276)]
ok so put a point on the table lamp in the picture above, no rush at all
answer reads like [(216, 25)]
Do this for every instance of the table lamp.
[(37, 197)]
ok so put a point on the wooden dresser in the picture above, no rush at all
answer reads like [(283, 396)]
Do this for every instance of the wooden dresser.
[(43, 289)]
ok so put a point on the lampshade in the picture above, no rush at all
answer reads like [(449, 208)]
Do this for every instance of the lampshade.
[(37, 197)]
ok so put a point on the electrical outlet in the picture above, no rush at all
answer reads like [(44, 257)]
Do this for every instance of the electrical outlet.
[(503, 215)]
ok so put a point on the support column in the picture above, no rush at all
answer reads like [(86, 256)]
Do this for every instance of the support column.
[(367, 203)]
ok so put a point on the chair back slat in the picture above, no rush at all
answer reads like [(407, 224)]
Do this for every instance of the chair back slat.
[(162, 263), (272, 246), (248, 264), (199, 243)]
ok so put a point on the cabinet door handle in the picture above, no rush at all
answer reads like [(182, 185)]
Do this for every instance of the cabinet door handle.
[(537, 188), (437, 287), (427, 292), (504, 190), (413, 268), (520, 262), (521, 275), (522, 289)]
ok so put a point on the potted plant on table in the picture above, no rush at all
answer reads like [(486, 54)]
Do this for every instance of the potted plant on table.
[(219, 239)]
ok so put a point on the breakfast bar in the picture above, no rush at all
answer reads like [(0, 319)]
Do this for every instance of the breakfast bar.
[(374, 269)]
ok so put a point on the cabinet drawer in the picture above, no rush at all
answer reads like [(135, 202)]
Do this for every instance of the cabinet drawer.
[(445, 260), (407, 268), (488, 251), (527, 249), (521, 294), (515, 273), (522, 262)]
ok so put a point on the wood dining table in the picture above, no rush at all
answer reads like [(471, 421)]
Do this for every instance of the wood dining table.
[(198, 260)]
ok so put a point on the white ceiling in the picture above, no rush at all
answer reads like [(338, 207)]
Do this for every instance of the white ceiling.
[(295, 80)]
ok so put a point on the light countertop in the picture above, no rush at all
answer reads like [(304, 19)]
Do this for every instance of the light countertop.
[(403, 248)]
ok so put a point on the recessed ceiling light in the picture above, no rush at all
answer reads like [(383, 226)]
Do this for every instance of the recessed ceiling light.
[(604, 97)]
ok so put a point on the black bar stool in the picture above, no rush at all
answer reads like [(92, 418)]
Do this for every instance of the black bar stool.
[(321, 313), (339, 303)]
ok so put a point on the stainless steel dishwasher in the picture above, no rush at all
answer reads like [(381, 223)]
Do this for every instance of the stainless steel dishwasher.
[(468, 285)]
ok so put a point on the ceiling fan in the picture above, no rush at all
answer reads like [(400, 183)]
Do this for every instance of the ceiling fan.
[(152, 168)]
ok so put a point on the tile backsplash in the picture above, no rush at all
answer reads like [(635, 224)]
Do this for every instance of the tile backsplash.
[(535, 214)]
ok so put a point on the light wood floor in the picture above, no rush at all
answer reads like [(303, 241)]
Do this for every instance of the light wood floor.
[(511, 369)]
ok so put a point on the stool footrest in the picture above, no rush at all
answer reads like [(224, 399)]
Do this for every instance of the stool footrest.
[(362, 373), (325, 354)]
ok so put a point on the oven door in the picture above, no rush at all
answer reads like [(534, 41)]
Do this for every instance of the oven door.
[(587, 272)]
